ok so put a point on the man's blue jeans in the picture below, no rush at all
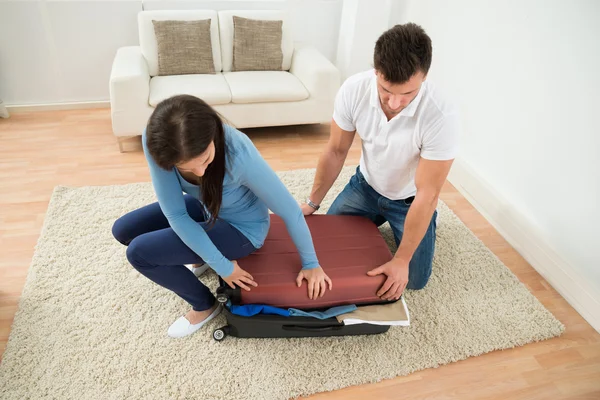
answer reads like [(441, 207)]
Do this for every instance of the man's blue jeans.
[(359, 198)]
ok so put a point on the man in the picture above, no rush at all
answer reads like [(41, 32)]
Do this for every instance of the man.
[(409, 141)]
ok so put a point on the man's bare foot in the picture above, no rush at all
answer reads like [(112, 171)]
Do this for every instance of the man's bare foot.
[(195, 317)]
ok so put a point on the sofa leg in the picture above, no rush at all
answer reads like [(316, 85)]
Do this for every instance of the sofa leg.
[(120, 140)]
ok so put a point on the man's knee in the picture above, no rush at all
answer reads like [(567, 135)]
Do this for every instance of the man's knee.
[(417, 284), (419, 275)]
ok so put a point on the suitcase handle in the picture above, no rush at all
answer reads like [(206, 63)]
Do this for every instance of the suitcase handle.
[(312, 329)]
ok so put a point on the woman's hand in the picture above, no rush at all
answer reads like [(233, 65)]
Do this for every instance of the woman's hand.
[(240, 278), (317, 281)]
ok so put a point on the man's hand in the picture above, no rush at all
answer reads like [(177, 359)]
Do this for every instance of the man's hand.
[(317, 281), (397, 279), (306, 209), (240, 278)]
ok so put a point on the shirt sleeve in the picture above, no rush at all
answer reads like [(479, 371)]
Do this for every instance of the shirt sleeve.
[(260, 178), (171, 201), (342, 109), (440, 139)]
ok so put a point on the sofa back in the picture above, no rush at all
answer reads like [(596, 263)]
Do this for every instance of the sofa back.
[(221, 30)]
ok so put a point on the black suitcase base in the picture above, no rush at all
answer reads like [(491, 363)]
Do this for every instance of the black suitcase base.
[(276, 326)]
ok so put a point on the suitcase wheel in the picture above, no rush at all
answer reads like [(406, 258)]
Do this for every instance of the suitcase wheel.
[(220, 333), (222, 298)]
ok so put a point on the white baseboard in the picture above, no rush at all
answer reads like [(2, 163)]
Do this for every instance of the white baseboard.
[(58, 106), (3, 110), (517, 229)]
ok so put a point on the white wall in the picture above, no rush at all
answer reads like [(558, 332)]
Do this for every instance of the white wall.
[(362, 22), (526, 75), (61, 51), (56, 51)]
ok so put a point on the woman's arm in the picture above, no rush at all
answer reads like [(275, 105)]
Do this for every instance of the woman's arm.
[(259, 177), (171, 201)]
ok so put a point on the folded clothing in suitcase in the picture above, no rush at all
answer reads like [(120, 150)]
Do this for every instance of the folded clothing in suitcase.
[(347, 248)]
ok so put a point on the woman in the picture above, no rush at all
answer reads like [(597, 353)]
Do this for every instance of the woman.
[(222, 217)]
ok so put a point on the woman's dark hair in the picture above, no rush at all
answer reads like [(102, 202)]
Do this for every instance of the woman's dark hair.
[(180, 129), (402, 51)]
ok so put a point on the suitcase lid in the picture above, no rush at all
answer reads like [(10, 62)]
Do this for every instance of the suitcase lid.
[(347, 248)]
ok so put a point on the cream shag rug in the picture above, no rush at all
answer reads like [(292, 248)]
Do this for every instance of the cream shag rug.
[(90, 327)]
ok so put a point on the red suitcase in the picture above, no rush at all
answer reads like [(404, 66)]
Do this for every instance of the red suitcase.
[(347, 247)]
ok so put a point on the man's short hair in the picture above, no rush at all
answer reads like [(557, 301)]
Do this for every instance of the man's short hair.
[(401, 52)]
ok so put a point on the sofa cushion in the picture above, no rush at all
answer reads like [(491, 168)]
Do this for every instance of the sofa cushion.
[(184, 47), (213, 89), (226, 34), (256, 45), (148, 37), (265, 86)]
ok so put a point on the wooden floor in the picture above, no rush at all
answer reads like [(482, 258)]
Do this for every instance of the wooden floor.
[(74, 148)]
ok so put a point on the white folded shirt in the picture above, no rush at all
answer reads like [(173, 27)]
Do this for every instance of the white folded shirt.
[(393, 314)]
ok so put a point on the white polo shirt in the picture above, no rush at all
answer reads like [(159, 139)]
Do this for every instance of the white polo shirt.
[(427, 127)]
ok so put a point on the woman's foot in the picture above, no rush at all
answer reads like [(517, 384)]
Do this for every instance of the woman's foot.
[(195, 317), (193, 321)]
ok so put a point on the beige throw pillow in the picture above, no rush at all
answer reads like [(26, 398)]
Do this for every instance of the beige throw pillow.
[(184, 47), (257, 45)]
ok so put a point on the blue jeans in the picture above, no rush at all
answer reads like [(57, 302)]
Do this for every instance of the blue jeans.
[(155, 250), (359, 198)]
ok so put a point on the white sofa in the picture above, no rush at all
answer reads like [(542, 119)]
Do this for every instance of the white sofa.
[(302, 93)]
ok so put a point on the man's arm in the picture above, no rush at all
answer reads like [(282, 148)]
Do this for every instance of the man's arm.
[(330, 164), (429, 179)]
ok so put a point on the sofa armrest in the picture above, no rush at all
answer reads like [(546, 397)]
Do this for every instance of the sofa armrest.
[(320, 77), (129, 92)]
